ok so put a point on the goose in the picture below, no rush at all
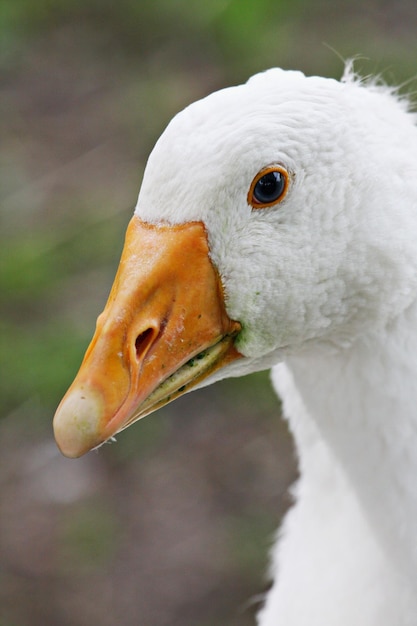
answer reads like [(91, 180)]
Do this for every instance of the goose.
[(276, 227)]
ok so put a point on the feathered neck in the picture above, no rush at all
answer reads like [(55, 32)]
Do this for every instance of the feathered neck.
[(349, 545)]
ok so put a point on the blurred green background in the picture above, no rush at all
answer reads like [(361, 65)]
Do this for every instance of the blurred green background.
[(171, 526)]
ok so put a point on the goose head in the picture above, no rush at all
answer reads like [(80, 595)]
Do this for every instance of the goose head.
[(272, 216)]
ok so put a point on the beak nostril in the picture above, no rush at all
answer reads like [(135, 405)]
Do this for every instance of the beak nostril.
[(143, 342)]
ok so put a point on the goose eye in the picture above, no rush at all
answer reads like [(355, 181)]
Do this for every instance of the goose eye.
[(268, 187)]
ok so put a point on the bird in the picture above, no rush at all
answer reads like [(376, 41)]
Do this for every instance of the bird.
[(276, 228)]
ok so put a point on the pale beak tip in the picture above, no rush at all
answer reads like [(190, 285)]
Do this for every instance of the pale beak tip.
[(76, 423)]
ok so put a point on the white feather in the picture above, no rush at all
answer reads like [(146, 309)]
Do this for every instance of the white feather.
[(325, 286)]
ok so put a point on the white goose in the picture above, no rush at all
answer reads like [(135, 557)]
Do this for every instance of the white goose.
[(277, 226)]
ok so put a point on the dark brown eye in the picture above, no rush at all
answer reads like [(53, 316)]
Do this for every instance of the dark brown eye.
[(268, 187)]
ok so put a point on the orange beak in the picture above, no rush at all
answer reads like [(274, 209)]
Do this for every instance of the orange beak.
[(163, 330)]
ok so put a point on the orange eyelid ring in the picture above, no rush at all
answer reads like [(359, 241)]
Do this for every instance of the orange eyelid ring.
[(281, 192)]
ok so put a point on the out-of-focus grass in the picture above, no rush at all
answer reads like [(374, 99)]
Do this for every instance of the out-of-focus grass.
[(88, 538), (41, 326)]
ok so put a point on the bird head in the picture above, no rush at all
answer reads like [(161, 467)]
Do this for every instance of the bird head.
[(272, 215)]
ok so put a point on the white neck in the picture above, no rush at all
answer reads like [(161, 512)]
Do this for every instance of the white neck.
[(349, 548)]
